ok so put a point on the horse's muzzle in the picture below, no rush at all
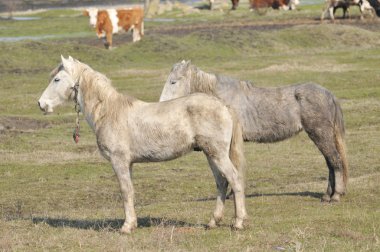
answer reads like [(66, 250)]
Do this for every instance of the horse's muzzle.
[(43, 108), (39, 105)]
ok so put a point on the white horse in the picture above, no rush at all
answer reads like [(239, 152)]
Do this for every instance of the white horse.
[(130, 131)]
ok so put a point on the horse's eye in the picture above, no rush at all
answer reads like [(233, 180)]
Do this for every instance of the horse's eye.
[(173, 82), (56, 79)]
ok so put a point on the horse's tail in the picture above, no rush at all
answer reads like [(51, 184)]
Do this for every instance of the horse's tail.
[(237, 146), (339, 139)]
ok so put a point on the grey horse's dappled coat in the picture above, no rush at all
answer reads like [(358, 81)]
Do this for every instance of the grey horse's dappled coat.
[(274, 114)]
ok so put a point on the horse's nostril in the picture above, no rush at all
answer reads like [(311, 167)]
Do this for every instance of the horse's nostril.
[(39, 105)]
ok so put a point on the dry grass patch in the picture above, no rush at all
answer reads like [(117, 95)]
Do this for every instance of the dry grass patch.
[(318, 68), (52, 157)]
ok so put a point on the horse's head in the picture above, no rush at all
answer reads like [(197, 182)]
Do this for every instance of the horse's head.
[(178, 82), (60, 88)]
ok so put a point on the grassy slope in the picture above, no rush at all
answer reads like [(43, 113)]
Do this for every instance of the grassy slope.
[(57, 195)]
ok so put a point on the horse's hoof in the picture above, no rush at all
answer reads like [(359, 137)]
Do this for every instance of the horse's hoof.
[(125, 231), (127, 228), (326, 198), (238, 225), (335, 198), (212, 224)]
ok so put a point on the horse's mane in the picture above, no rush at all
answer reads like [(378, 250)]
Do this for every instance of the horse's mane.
[(209, 83), (95, 84), (201, 81)]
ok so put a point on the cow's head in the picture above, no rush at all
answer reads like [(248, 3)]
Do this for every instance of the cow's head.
[(93, 14)]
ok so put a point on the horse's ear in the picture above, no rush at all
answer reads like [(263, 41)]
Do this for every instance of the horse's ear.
[(67, 63), (185, 63), (71, 58), (62, 58), (86, 13)]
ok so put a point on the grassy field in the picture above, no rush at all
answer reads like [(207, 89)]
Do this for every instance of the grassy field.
[(58, 195)]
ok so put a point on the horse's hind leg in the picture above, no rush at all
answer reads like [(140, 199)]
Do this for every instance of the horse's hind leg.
[(330, 185), (324, 140), (221, 184), (227, 169)]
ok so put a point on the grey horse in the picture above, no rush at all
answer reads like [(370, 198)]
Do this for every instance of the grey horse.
[(274, 114)]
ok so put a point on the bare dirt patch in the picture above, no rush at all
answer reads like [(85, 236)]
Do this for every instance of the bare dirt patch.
[(21, 124)]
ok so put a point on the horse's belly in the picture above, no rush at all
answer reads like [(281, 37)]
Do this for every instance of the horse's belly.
[(271, 130), (156, 152), (161, 146)]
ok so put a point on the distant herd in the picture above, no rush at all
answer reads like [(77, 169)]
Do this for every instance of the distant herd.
[(113, 21)]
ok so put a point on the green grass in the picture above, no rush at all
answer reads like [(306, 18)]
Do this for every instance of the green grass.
[(55, 195)]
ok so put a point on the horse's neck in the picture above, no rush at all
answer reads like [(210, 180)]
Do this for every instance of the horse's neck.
[(95, 95), (203, 82)]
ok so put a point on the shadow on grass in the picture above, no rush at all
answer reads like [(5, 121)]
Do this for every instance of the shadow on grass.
[(110, 224), (255, 195), (303, 194)]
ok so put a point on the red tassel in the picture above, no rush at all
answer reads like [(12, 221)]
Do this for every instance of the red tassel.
[(76, 135)]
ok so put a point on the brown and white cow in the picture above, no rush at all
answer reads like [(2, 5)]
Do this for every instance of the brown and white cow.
[(332, 5), (112, 21)]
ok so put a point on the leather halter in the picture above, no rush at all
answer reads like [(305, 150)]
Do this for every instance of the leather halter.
[(75, 89)]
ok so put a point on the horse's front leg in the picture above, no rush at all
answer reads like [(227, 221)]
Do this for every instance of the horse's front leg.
[(123, 169)]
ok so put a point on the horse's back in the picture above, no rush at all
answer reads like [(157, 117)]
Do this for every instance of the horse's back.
[(167, 130), (266, 114), (205, 113)]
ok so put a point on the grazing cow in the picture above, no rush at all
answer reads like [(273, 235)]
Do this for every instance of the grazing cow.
[(111, 21), (275, 4), (332, 5)]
